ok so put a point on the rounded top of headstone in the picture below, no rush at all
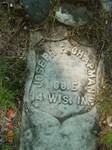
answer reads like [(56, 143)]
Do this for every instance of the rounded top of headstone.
[(56, 33)]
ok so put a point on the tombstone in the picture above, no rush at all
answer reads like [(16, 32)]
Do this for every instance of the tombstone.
[(59, 110)]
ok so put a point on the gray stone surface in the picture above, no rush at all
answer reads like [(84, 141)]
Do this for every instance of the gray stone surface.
[(38, 10), (59, 111), (107, 5), (72, 15)]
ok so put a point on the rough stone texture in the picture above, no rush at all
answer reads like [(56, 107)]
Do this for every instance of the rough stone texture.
[(107, 5), (59, 111), (72, 15), (38, 10)]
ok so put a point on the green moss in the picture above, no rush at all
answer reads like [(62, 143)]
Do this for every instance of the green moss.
[(11, 82), (7, 99), (104, 107), (6, 147), (108, 99), (16, 136), (12, 77), (107, 140), (13, 73)]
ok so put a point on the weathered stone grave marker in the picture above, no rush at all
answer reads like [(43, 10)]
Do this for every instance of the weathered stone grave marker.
[(59, 110)]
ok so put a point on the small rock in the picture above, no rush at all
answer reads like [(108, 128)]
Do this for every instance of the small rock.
[(104, 122), (107, 5), (72, 15), (25, 28), (11, 5), (38, 10), (109, 121)]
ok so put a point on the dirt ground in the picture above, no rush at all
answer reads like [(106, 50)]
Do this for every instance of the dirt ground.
[(15, 28)]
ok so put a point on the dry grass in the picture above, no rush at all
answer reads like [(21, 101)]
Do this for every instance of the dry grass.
[(14, 40)]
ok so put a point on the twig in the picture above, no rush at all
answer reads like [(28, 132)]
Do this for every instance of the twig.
[(102, 47), (50, 40), (77, 40)]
